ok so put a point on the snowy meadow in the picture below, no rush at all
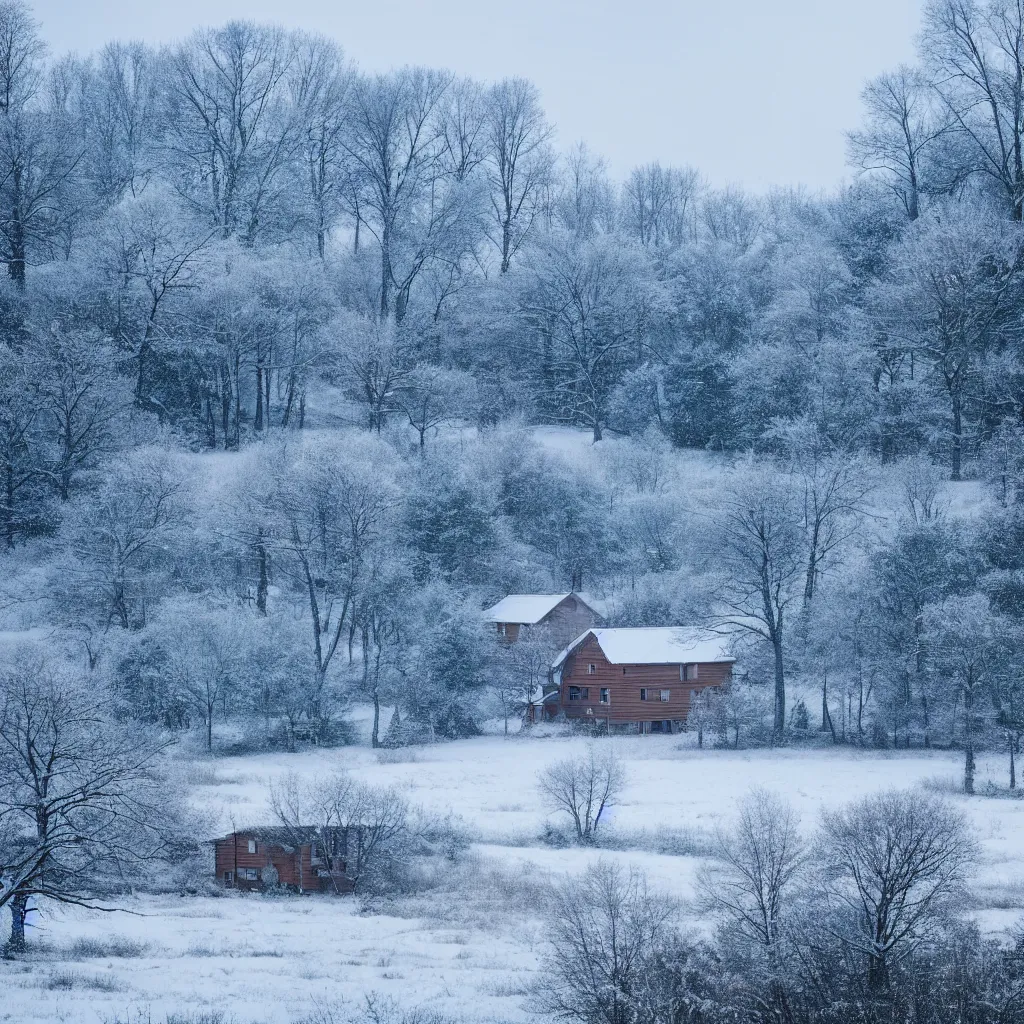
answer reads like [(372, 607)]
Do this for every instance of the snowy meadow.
[(475, 948)]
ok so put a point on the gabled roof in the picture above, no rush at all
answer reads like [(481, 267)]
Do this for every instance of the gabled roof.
[(527, 609), (660, 645)]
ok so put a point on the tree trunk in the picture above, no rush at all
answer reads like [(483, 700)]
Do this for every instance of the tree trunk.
[(385, 272), (9, 507), (16, 264), (257, 423), (375, 734), (957, 453), (1013, 763), (263, 585), (506, 244), (969, 741), (779, 725), (19, 910)]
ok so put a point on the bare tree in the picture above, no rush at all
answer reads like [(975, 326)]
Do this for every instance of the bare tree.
[(22, 456), (373, 364), (591, 304), (519, 162), (228, 125), (431, 395), (319, 83), (952, 297), (584, 201), (203, 660), (836, 488), (333, 507), (355, 826), (609, 933), (976, 52), (760, 859), (760, 548), (968, 645), (658, 203), (122, 540), (582, 787), (81, 399), (119, 107), (895, 863), (903, 128), (395, 139), (150, 255), (39, 150), (80, 800)]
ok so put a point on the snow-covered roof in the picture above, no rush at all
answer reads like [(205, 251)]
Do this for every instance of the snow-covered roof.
[(528, 609), (659, 645)]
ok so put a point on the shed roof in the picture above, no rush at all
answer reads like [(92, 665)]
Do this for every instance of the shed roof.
[(527, 609), (659, 645)]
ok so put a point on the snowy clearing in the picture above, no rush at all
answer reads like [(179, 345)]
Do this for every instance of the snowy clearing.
[(474, 951)]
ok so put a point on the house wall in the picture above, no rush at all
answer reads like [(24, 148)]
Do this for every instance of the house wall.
[(568, 619), (507, 631), (294, 867), (562, 624), (625, 682)]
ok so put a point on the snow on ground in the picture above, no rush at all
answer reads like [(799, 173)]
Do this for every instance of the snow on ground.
[(473, 951)]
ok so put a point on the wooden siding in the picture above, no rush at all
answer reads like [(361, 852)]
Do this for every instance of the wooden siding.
[(624, 683), (295, 867), (568, 619), (563, 623)]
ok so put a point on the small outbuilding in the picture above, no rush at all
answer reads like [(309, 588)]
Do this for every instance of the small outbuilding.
[(637, 679), (562, 615), (304, 860)]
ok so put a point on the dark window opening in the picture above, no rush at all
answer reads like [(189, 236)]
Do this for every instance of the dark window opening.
[(606, 696), (643, 693)]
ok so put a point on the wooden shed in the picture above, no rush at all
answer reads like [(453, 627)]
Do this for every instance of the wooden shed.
[(304, 860), (563, 616), (639, 679)]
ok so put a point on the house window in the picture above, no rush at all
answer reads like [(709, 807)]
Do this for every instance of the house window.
[(501, 629), (606, 696), (574, 693), (665, 695), (591, 670), (252, 874), (252, 845), (228, 876), (643, 693), (687, 672)]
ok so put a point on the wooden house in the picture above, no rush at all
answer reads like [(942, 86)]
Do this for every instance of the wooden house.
[(561, 616), (638, 680), (305, 860)]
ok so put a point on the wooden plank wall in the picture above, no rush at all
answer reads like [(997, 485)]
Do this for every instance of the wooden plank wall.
[(625, 682)]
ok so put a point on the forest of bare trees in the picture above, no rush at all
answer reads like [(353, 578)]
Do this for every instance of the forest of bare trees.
[(277, 337)]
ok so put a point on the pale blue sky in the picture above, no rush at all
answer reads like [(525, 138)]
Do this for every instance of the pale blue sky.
[(755, 92)]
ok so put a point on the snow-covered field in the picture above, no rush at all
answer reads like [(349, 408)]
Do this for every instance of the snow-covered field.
[(473, 950)]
